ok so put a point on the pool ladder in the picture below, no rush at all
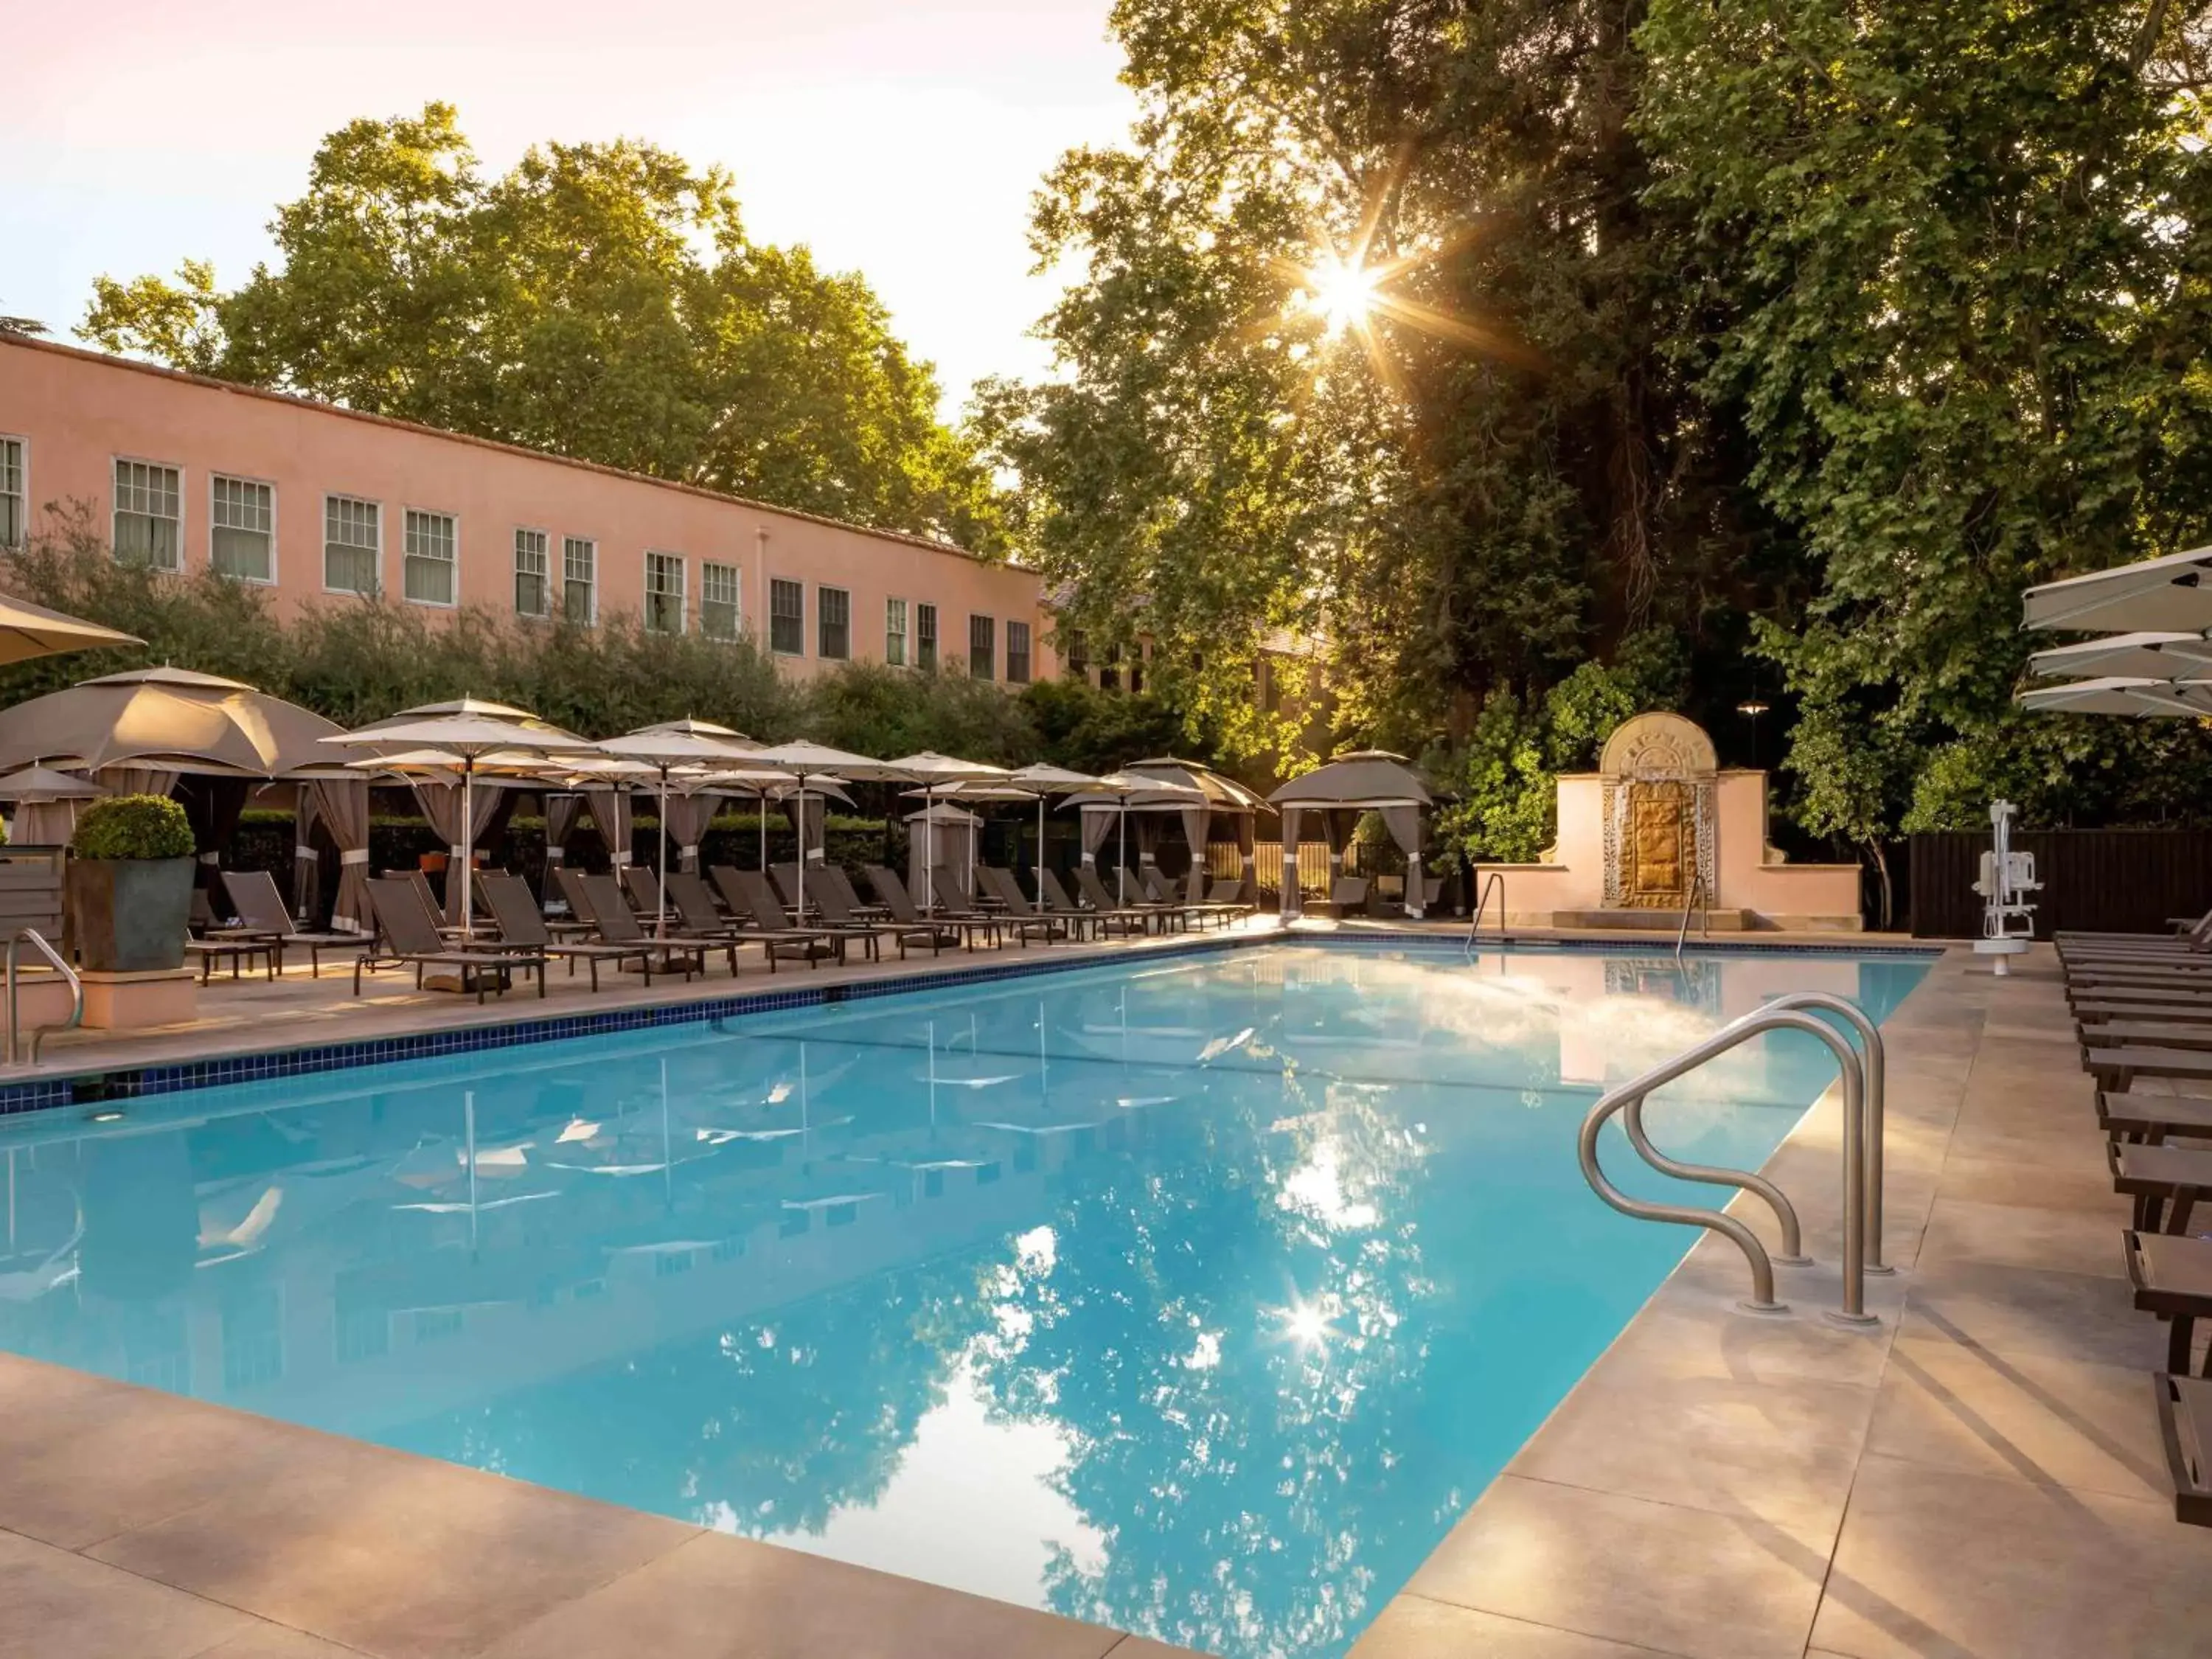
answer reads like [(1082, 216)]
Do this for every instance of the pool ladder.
[(15, 1013), (1494, 882), (1863, 1083)]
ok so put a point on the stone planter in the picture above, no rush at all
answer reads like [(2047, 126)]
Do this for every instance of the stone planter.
[(131, 915)]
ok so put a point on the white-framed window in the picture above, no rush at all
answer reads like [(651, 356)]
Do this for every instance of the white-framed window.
[(982, 646), (15, 492), (664, 592), (925, 637), (533, 586), (1018, 653), (718, 610), (150, 514), (433, 549), (787, 617), (242, 528), (833, 624), (580, 579), (353, 545), (895, 632)]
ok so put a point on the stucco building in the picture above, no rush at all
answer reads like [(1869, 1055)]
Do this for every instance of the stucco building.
[(324, 505)]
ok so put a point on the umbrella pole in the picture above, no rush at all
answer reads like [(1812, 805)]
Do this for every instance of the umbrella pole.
[(468, 854), (799, 919), (1121, 855), (928, 848), (1040, 873), (661, 874), (763, 829)]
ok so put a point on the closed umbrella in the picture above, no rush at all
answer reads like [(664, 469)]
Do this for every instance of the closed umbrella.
[(681, 743), (471, 736), (934, 772)]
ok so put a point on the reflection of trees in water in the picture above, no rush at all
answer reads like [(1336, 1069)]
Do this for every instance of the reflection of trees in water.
[(767, 1425), (1165, 1346)]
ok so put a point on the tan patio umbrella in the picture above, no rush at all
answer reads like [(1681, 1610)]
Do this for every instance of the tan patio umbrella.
[(27, 631), (472, 737), (165, 718), (1041, 779), (807, 761), (47, 804), (766, 786), (679, 743), (934, 772)]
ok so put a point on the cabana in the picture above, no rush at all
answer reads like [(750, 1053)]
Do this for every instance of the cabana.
[(1364, 780), (1215, 793)]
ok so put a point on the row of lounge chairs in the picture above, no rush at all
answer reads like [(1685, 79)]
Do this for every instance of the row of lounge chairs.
[(638, 923), (2142, 1012)]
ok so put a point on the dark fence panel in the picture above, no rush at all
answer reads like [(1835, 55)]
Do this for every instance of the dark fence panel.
[(2100, 880)]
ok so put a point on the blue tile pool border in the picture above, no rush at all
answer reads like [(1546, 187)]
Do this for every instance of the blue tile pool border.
[(94, 1087)]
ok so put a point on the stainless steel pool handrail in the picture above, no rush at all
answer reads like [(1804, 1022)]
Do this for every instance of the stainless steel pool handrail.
[(1494, 879), (1705, 924), (1626, 1101), (15, 1014), (1874, 1061)]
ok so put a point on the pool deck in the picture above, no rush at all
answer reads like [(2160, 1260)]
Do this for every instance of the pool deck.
[(1978, 1476)]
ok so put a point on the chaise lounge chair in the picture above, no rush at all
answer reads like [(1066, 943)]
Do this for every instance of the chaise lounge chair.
[(522, 924), (413, 940), (253, 895)]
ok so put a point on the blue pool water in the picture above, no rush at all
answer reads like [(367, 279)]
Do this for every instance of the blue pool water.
[(1197, 1297)]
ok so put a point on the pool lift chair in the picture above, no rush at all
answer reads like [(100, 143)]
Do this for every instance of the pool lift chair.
[(2006, 880)]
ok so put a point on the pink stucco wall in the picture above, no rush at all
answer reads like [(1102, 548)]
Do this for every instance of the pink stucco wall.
[(77, 412)]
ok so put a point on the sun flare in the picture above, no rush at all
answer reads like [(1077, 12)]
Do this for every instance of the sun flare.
[(1341, 293)]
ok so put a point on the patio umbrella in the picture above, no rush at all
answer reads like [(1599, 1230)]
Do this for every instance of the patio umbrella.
[(681, 742), (47, 800), (2128, 656), (2174, 592), (934, 772), (1041, 780), (2140, 699), (471, 736), (28, 631), (164, 719), (1122, 788), (807, 760), (765, 786)]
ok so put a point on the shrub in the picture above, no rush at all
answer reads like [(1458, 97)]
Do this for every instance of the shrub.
[(132, 827)]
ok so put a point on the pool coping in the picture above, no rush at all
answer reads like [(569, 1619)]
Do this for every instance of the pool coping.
[(451, 1031)]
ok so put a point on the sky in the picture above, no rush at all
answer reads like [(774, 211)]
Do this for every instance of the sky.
[(900, 138)]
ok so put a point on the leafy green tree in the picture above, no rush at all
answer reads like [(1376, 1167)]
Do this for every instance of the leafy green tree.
[(600, 301), (1957, 302)]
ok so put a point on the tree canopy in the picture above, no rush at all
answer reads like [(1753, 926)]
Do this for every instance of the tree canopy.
[(1486, 343), (600, 301)]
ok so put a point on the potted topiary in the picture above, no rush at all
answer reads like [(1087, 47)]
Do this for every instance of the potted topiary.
[(130, 883)]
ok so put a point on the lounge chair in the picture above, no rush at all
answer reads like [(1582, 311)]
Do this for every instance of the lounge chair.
[(2185, 1419), (1347, 895), (2166, 1182), (615, 923), (944, 929), (410, 932), (1057, 901), (522, 924), (1026, 921), (1149, 917), (260, 906), (752, 900), (832, 914)]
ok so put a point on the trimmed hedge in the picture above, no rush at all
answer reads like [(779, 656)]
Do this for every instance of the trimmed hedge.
[(132, 827)]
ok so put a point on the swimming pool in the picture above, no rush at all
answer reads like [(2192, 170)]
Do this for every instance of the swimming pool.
[(1196, 1296)]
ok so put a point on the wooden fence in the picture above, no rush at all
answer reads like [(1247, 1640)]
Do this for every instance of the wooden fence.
[(2095, 880)]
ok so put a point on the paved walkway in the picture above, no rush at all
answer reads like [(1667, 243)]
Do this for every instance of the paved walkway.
[(1981, 1477)]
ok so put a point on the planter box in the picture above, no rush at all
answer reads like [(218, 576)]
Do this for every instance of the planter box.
[(131, 915)]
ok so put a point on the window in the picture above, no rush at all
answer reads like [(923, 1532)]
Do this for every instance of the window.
[(1137, 667), (925, 637), (895, 632), (833, 619), (352, 544), (718, 601), (1109, 671), (664, 592), (242, 528), (786, 618), (1018, 653), (982, 646), (1075, 652), (15, 495), (579, 589), (430, 543), (149, 516), (532, 572)]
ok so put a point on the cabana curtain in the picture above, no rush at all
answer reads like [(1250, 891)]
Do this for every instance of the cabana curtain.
[(212, 806), (138, 780), (307, 862), (1097, 824), (562, 808), (810, 835), (1404, 823), (610, 816), (688, 818), (342, 804), (441, 805)]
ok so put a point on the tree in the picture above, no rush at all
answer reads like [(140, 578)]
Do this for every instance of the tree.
[(1371, 341), (1956, 300), (600, 301)]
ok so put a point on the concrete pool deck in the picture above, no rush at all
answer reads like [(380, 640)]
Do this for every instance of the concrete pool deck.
[(1979, 1476)]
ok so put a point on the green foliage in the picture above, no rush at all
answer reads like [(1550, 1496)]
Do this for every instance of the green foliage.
[(600, 300), (132, 827), (1088, 729), (871, 710)]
